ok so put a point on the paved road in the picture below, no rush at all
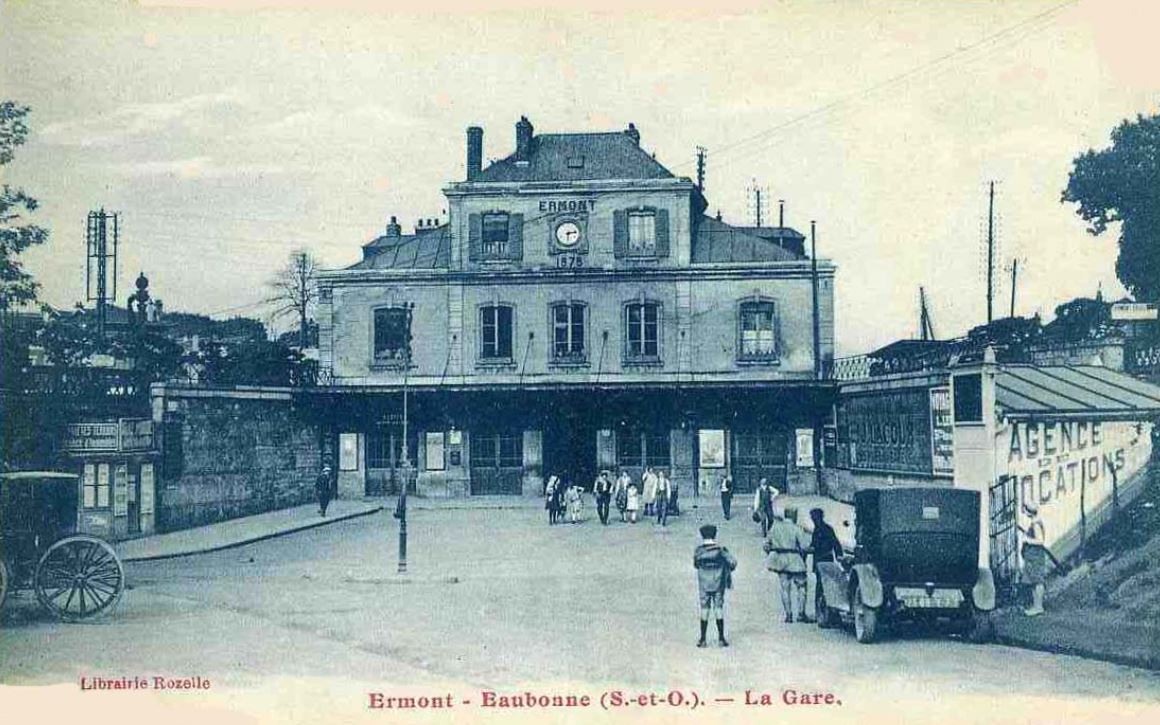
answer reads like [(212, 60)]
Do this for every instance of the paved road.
[(566, 606)]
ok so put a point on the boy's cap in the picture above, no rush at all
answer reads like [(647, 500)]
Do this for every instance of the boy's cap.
[(708, 531)]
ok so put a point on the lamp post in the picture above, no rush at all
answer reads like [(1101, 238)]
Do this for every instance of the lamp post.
[(401, 507)]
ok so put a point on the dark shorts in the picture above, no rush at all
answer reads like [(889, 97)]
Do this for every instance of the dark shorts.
[(713, 599)]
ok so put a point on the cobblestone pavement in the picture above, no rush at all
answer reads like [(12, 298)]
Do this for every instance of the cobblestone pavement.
[(497, 598)]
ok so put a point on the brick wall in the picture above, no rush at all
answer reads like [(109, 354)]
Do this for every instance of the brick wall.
[(231, 452)]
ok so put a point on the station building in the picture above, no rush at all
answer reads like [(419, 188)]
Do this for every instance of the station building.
[(576, 310)]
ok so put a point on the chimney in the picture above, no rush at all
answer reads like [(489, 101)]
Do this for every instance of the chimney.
[(632, 133), (393, 229), (524, 138), (474, 152)]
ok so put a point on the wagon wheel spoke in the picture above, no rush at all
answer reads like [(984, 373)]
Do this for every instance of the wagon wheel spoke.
[(71, 592), (97, 598)]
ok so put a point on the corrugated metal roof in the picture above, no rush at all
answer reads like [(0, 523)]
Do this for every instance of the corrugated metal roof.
[(716, 241), (429, 249), (1061, 390), (578, 157)]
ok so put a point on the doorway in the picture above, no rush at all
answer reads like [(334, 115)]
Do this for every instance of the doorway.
[(570, 453)]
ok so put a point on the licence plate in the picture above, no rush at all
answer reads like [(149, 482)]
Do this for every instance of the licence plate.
[(939, 599)]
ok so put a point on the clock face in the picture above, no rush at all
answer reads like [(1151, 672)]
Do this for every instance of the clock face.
[(568, 234)]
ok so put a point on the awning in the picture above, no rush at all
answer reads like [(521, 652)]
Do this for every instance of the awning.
[(1082, 391)]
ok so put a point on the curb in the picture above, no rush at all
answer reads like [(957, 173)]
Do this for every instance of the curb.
[(258, 537), (1143, 662)]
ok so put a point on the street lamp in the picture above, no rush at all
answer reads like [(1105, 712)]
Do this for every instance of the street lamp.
[(401, 507)]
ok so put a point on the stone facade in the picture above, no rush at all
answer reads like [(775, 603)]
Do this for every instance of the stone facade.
[(231, 452)]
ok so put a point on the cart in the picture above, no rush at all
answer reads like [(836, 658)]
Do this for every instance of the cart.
[(75, 576)]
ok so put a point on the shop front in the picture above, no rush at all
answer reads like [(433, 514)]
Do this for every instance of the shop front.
[(117, 463)]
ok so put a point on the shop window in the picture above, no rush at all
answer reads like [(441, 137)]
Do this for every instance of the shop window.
[(635, 448), (495, 324), (568, 332), (642, 331), (392, 335), (95, 486), (757, 331)]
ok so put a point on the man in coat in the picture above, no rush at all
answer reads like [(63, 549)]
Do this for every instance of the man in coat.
[(664, 491), (323, 488), (648, 489), (825, 546), (714, 565), (787, 547), (602, 489)]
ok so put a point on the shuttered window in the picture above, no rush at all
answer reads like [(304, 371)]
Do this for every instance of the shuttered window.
[(641, 232), (495, 235)]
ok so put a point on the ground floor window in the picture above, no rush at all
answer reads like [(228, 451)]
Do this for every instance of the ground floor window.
[(385, 448), (636, 449), (96, 485), (497, 450)]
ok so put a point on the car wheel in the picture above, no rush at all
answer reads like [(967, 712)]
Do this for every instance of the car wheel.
[(982, 628), (826, 615), (865, 619)]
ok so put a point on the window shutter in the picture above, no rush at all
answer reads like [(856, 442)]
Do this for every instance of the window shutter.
[(516, 236), (620, 233), (474, 236), (662, 232)]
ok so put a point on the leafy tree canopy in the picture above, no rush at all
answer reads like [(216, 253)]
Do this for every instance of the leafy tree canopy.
[(1122, 184), (17, 287)]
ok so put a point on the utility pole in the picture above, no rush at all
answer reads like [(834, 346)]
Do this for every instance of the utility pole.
[(926, 327), (757, 199), (814, 289), (1014, 277), (990, 252), (701, 151), (401, 507), (98, 256)]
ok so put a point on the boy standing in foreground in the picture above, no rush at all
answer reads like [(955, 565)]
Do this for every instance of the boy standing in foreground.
[(714, 565)]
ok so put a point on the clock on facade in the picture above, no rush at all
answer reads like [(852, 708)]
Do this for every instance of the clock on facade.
[(568, 235)]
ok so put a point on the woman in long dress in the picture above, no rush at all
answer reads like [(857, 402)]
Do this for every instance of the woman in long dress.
[(551, 500)]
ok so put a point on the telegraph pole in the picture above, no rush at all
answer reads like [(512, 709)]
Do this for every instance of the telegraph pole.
[(1014, 277), (814, 289), (701, 151), (990, 252), (98, 257), (401, 507)]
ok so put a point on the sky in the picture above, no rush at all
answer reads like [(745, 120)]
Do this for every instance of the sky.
[(228, 135)]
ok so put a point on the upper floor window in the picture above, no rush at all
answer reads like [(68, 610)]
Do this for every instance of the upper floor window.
[(495, 326), (758, 333), (495, 235), (641, 232), (392, 334), (642, 330), (568, 331)]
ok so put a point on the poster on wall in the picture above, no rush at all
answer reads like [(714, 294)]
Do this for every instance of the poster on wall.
[(942, 432), (348, 451), (147, 486), (711, 444), (435, 451), (887, 431), (804, 447), (121, 490)]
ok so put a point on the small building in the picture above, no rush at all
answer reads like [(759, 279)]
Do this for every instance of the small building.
[(576, 310)]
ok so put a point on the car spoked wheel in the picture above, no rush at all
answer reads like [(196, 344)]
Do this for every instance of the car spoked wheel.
[(78, 578), (865, 619)]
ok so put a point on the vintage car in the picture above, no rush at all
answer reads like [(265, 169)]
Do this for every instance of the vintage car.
[(916, 558)]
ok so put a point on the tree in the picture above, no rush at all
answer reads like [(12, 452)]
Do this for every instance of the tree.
[(295, 293), (17, 287), (1122, 184)]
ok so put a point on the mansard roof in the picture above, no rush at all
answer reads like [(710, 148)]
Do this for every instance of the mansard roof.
[(425, 249), (714, 241), (577, 157)]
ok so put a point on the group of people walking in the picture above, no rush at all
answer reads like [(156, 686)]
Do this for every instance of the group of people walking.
[(656, 496)]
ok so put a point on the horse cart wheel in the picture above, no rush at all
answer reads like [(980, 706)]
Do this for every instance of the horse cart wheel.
[(79, 577)]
